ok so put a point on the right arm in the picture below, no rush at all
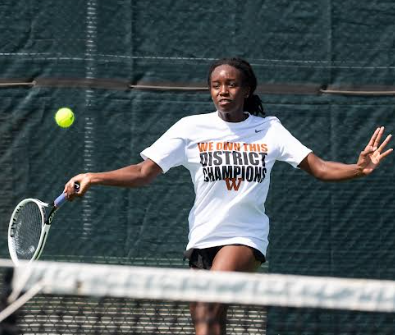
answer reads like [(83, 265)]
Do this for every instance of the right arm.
[(136, 175)]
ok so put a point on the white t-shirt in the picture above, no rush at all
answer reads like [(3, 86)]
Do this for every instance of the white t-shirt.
[(230, 165)]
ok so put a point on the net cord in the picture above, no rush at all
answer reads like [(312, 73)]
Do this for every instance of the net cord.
[(185, 285)]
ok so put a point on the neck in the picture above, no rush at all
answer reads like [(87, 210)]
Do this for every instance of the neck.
[(233, 117)]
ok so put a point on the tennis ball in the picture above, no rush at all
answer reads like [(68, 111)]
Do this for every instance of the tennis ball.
[(64, 117)]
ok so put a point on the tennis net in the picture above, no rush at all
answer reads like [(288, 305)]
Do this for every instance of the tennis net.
[(70, 298)]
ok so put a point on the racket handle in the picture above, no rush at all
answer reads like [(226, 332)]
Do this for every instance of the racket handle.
[(61, 199)]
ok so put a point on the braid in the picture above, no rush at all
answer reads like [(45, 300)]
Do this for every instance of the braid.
[(253, 103)]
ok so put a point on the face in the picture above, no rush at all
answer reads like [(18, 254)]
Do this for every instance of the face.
[(228, 92)]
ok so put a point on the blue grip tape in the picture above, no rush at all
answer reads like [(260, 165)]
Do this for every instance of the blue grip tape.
[(60, 200)]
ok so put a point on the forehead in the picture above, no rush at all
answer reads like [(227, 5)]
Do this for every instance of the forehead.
[(224, 72)]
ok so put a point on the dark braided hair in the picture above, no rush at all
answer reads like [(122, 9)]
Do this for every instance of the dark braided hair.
[(253, 103)]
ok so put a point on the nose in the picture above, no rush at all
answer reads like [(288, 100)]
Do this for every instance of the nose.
[(223, 90)]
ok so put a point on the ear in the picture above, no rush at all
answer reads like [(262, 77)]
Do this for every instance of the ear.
[(247, 93)]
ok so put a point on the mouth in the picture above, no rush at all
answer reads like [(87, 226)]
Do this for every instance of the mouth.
[(223, 102)]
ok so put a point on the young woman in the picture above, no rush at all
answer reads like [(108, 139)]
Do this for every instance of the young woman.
[(230, 154)]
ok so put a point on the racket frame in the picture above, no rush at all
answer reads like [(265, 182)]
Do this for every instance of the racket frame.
[(46, 225)]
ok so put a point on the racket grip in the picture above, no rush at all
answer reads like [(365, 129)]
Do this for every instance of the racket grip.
[(61, 199)]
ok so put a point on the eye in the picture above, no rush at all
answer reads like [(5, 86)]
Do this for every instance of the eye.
[(215, 85)]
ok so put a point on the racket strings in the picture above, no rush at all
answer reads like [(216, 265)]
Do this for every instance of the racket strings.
[(27, 228)]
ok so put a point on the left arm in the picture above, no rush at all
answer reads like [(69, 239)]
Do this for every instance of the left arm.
[(369, 159)]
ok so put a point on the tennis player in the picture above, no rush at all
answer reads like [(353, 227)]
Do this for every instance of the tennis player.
[(229, 154)]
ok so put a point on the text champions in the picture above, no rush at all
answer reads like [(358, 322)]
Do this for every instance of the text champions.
[(229, 160)]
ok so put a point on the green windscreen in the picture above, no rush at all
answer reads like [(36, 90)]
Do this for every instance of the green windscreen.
[(308, 56)]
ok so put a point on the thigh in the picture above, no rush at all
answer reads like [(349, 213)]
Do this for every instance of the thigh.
[(235, 258)]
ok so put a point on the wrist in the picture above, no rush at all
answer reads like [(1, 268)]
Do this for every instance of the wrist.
[(90, 178), (358, 171)]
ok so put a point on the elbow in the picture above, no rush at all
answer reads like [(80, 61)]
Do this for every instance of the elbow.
[(316, 167), (142, 180), (146, 179), (320, 171)]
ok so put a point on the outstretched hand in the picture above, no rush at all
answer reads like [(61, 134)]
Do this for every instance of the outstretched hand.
[(373, 154)]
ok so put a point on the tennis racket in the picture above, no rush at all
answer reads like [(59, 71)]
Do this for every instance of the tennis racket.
[(29, 226)]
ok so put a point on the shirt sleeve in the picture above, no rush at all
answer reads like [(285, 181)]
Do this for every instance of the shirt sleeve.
[(169, 150), (291, 150)]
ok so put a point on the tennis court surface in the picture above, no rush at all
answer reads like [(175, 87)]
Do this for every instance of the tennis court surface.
[(71, 298)]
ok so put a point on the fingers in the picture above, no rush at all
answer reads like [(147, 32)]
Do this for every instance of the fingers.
[(373, 139), (369, 150), (376, 152), (385, 142), (82, 180), (386, 153), (381, 155), (378, 137), (70, 190)]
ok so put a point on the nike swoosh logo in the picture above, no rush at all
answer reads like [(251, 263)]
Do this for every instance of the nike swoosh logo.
[(258, 130)]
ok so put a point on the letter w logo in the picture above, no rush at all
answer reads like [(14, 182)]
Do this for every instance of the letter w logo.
[(232, 184)]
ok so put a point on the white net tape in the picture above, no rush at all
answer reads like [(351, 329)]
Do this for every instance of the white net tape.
[(191, 285)]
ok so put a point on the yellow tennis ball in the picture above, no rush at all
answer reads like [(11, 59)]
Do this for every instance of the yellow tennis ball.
[(64, 117)]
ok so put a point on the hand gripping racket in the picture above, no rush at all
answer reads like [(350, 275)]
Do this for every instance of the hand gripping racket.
[(29, 226)]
